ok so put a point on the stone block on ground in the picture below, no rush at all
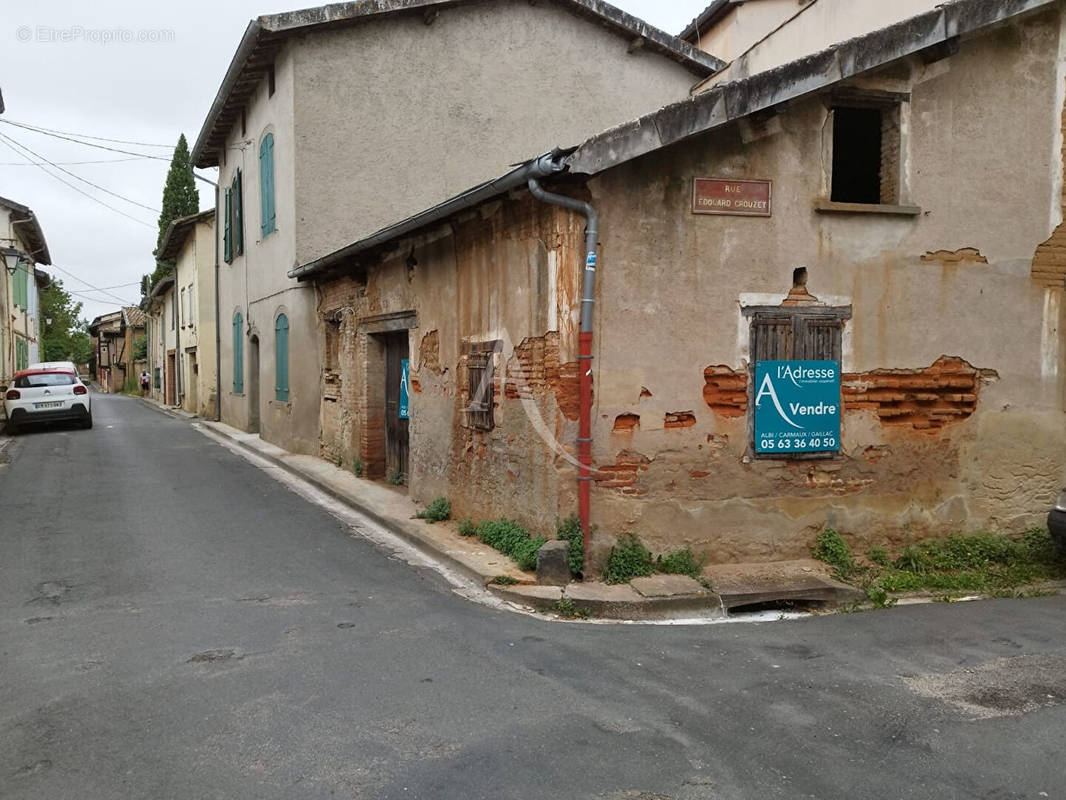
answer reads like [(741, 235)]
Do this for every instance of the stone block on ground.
[(668, 586), (553, 563)]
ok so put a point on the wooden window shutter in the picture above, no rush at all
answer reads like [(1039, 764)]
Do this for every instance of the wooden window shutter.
[(238, 353), (266, 184), (238, 214), (771, 339), (281, 358), (227, 230), (481, 386), (818, 338)]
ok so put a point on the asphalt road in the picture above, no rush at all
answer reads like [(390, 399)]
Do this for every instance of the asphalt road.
[(175, 623)]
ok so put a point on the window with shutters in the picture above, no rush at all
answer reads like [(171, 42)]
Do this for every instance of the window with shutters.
[(238, 353), (236, 214), (811, 333), (227, 227), (281, 358), (481, 384), (266, 185)]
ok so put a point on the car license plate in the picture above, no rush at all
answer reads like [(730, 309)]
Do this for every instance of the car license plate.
[(53, 404)]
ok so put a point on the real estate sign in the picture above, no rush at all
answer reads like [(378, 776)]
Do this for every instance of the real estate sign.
[(405, 388), (797, 406)]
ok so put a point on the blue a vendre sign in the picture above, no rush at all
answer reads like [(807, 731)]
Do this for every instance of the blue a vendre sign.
[(797, 406)]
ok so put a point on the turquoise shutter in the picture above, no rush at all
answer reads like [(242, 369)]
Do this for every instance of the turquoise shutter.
[(238, 214), (281, 358), (227, 231), (22, 293), (238, 354), (266, 184)]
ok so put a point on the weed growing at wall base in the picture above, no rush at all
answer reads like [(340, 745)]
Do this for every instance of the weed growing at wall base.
[(569, 530), (988, 563), (437, 511), (512, 540), (628, 559)]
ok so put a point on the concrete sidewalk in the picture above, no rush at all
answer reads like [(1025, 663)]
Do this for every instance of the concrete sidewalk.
[(653, 597)]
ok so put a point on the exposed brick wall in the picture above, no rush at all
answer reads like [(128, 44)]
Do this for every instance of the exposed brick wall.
[(726, 391), (1049, 261), (534, 369), (964, 255), (623, 473), (890, 154), (925, 400), (679, 419), (625, 423)]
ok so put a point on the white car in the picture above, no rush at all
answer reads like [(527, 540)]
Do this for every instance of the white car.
[(47, 395), (64, 365)]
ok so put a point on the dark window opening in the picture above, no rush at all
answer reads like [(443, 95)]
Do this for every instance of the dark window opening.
[(244, 121), (270, 81), (856, 155)]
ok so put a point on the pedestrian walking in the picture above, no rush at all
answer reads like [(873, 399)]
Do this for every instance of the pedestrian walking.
[(146, 382)]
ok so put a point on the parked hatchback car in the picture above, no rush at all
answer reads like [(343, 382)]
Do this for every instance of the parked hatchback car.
[(1056, 521), (46, 395)]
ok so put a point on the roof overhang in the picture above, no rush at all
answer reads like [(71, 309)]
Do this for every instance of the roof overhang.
[(266, 35), (29, 230), (161, 286), (712, 109), (178, 231)]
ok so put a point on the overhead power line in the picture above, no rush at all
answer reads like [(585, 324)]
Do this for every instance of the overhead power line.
[(42, 129), (66, 163), (86, 144), (91, 286), (78, 177), (7, 142)]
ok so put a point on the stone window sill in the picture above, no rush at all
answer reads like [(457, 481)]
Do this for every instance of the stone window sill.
[(831, 207)]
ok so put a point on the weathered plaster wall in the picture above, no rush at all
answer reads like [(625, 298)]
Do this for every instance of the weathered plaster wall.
[(975, 441), (485, 85), (256, 284), (508, 273)]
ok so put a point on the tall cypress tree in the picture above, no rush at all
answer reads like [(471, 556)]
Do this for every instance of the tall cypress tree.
[(180, 199)]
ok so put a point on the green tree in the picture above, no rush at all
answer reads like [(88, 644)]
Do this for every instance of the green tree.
[(65, 337), (180, 199)]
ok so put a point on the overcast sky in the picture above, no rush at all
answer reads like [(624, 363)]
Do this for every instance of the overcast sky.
[(146, 92)]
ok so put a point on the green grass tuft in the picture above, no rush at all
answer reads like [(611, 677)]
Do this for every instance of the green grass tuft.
[(628, 559), (569, 530), (680, 562), (437, 511), (512, 540), (831, 549), (467, 528)]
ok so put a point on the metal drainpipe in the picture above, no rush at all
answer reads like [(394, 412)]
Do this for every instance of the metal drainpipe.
[(218, 318), (584, 434)]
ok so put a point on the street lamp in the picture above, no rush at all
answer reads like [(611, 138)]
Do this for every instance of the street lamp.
[(11, 258)]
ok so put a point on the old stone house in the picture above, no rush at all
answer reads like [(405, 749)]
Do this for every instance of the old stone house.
[(22, 248), (882, 220), (190, 243), (333, 121), (114, 338)]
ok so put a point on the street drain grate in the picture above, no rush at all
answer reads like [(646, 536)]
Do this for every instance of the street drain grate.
[(1001, 688)]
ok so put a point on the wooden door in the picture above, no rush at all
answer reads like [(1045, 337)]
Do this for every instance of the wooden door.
[(396, 353), (170, 399)]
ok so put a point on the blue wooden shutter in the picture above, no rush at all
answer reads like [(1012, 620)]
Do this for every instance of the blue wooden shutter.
[(266, 184), (238, 353), (227, 230), (281, 358), (238, 214)]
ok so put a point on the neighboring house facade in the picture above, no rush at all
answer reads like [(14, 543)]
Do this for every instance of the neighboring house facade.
[(884, 222), (753, 36), (114, 336), (322, 132), (22, 247), (163, 341), (189, 242)]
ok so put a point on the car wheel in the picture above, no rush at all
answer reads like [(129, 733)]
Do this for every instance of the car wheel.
[(12, 429), (87, 423)]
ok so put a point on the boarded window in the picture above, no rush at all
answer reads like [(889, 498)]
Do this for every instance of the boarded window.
[(481, 385), (237, 214), (227, 226), (795, 334)]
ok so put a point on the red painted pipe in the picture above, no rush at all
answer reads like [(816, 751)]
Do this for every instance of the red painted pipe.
[(584, 438)]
